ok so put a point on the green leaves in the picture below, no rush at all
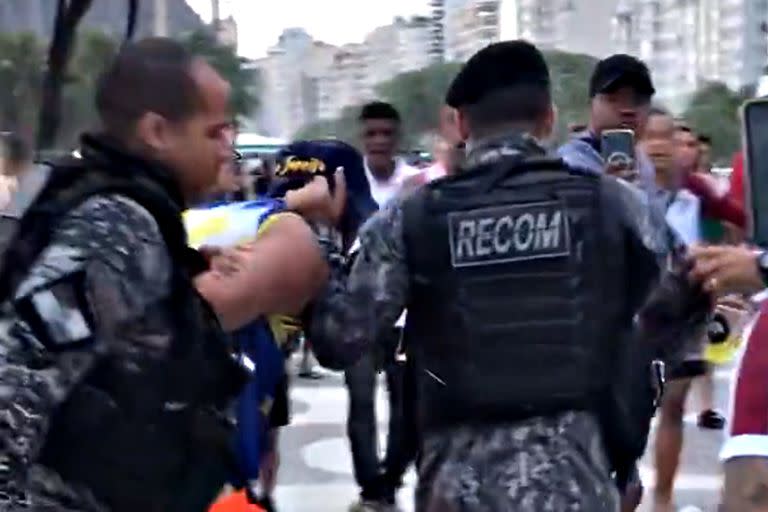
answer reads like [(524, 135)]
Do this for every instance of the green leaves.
[(570, 75), (714, 110), (22, 61), (244, 81), (418, 96)]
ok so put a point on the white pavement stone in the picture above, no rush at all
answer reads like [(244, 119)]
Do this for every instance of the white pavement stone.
[(328, 405)]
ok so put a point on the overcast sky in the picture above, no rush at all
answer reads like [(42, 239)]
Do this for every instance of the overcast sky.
[(260, 22)]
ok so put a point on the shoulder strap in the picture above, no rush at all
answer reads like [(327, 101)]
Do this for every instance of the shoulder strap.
[(70, 184)]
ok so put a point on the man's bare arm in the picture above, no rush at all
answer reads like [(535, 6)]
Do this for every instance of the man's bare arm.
[(746, 485), (279, 272)]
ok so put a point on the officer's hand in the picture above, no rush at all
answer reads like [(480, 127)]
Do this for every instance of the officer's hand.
[(726, 269), (315, 202), (623, 171)]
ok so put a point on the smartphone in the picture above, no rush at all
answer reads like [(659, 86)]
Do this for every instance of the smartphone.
[(755, 145), (618, 148)]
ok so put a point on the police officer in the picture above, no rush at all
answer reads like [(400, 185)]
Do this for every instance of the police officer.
[(521, 277), (113, 370)]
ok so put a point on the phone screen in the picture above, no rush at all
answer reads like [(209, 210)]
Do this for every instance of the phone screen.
[(756, 168), (618, 147)]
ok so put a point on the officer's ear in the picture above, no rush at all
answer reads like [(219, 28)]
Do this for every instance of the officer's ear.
[(548, 123), (154, 131), (462, 125)]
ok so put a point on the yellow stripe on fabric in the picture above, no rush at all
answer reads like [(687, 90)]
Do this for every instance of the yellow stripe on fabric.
[(283, 327)]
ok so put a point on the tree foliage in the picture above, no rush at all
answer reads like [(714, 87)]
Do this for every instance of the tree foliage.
[(232, 67), (418, 96), (570, 73), (23, 64), (343, 128), (714, 110), (92, 54), (22, 61)]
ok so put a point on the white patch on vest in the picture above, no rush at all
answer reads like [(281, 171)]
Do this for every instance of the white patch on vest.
[(66, 324), (505, 234)]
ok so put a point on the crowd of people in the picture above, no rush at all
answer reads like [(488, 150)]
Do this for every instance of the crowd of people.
[(530, 307)]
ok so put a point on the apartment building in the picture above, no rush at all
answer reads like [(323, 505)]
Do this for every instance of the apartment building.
[(291, 75), (689, 42), (306, 80), (470, 26), (568, 25), (344, 82)]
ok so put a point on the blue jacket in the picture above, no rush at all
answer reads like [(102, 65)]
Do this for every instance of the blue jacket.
[(583, 151)]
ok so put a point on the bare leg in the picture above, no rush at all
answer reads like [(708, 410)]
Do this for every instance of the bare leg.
[(669, 442), (270, 464)]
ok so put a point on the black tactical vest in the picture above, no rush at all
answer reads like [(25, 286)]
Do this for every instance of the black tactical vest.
[(515, 301), (154, 439)]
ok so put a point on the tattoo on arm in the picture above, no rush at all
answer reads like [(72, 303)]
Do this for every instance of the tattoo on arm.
[(746, 485)]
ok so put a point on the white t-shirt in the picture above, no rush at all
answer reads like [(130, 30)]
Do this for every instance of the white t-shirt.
[(383, 191)]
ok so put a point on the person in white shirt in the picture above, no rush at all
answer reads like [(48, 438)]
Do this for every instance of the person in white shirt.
[(387, 174)]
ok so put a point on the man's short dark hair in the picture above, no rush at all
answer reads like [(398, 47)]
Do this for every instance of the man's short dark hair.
[(151, 75), (379, 110), (705, 139)]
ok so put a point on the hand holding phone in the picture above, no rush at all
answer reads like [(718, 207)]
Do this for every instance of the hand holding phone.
[(618, 152)]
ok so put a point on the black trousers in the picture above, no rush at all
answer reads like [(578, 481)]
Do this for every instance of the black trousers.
[(379, 479)]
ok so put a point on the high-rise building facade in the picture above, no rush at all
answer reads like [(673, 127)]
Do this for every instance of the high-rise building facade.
[(289, 82), (305, 80), (687, 43), (470, 26), (569, 25)]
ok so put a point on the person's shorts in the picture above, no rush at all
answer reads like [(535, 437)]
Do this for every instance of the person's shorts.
[(279, 415), (687, 369)]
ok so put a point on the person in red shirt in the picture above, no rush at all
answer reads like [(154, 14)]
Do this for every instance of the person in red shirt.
[(728, 208)]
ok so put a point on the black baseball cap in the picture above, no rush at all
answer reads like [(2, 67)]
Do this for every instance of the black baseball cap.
[(495, 67), (621, 70)]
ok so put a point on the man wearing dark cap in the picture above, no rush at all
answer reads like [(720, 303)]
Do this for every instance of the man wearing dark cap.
[(620, 92), (520, 327)]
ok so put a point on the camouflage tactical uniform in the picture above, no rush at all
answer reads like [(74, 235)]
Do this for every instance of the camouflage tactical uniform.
[(98, 289), (552, 463)]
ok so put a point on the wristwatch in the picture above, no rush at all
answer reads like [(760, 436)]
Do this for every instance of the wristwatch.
[(762, 265)]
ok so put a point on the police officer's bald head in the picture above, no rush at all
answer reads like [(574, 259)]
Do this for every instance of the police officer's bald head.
[(504, 85)]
